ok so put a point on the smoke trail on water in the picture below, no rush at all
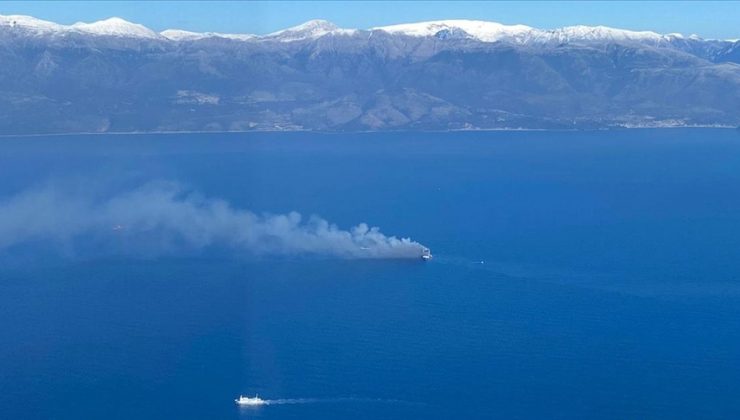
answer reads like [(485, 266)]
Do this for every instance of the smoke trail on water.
[(161, 218)]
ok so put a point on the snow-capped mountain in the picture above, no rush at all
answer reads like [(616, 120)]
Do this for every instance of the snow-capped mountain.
[(598, 34), (115, 75), (521, 34), (310, 30), (477, 29), (115, 27), (180, 35), (482, 31), (112, 27), (30, 25)]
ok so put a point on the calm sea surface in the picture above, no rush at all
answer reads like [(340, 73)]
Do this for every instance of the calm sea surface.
[(576, 275)]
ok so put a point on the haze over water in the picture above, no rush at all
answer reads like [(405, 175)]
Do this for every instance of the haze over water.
[(576, 275)]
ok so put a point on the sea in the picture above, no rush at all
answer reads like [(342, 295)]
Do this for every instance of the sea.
[(575, 274)]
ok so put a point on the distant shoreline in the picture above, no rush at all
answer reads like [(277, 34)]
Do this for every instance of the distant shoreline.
[(168, 132)]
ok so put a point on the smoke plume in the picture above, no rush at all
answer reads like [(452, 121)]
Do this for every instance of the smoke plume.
[(162, 218)]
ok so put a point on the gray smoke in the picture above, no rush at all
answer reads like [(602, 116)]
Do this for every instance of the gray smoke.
[(164, 218)]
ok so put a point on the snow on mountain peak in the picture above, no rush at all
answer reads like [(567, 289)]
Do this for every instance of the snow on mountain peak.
[(312, 29), (180, 35), (308, 30), (481, 30), (599, 33), (491, 32), (315, 25), (115, 27), (30, 24)]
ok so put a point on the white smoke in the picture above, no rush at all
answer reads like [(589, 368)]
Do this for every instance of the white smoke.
[(163, 218)]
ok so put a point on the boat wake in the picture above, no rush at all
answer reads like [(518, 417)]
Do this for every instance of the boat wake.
[(282, 401), (286, 401)]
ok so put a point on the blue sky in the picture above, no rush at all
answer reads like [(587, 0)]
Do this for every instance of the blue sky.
[(708, 19)]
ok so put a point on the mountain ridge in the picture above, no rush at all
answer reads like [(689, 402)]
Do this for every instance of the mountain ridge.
[(117, 76), (485, 31)]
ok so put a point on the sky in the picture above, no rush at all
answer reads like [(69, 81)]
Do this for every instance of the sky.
[(708, 19)]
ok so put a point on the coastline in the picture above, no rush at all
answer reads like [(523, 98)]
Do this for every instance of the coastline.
[(172, 132)]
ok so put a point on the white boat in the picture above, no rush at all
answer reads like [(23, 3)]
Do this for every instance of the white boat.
[(242, 400), (426, 254)]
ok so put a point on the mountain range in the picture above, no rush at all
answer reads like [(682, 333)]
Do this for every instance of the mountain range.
[(118, 76)]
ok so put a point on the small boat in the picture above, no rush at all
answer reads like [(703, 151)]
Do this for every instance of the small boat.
[(426, 254), (242, 400)]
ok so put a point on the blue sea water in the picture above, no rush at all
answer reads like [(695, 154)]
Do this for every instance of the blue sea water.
[(576, 275)]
